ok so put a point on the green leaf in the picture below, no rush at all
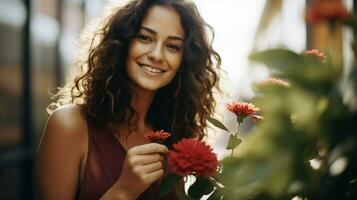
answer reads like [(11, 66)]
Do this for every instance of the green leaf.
[(202, 186), (168, 183), (233, 142), (217, 124), (281, 59), (180, 193), (216, 195)]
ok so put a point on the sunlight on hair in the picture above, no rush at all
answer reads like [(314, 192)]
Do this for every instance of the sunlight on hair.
[(235, 24)]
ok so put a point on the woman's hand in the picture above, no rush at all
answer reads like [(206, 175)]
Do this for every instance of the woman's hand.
[(143, 165)]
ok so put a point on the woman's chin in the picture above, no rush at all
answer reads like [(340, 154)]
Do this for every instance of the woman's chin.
[(153, 87)]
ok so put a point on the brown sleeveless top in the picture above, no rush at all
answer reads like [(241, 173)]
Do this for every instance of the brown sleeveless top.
[(105, 158)]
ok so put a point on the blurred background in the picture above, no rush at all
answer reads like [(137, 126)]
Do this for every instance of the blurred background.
[(38, 46)]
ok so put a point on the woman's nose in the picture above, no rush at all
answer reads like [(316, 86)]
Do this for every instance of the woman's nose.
[(156, 53)]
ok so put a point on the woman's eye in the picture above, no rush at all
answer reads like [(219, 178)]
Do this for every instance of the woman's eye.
[(143, 38), (174, 47)]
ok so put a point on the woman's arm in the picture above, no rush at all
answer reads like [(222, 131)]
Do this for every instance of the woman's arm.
[(62, 147)]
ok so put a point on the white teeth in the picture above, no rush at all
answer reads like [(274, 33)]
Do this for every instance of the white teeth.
[(151, 69)]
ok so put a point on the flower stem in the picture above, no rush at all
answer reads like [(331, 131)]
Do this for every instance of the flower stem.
[(235, 135), (237, 129)]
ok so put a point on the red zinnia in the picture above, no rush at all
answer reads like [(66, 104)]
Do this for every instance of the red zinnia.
[(192, 157), (329, 10), (242, 109), (274, 81), (314, 52), (156, 136)]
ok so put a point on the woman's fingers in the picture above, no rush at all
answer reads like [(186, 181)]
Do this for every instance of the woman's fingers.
[(148, 173), (149, 148), (145, 159), (153, 176), (151, 158), (142, 166), (149, 168), (145, 162)]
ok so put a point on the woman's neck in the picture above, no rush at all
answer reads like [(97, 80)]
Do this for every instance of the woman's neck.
[(141, 102)]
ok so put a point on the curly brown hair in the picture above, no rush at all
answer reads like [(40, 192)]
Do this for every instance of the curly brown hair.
[(102, 87)]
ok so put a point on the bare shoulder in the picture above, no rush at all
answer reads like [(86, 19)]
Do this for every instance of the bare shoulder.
[(60, 153), (68, 118), (67, 124)]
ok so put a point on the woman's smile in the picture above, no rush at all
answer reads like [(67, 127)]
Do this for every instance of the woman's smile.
[(151, 69)]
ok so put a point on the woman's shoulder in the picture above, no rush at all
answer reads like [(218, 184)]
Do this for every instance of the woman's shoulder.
[(68, 121), (68, 116), (61, 152)]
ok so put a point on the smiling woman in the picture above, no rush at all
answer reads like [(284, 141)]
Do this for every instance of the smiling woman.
[(149, 67), (155, 54)]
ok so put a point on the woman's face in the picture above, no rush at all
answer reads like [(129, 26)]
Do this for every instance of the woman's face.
[(155, 54)]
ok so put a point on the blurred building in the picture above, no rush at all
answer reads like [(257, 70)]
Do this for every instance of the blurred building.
[(33, 39)]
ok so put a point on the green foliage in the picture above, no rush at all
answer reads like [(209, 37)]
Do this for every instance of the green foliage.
[(306, 144), (202, 186), (306, 70), (168, 183), (233, 142), (218, 124), (308, 120)]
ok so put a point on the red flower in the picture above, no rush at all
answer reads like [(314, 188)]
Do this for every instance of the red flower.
[(156, 136), (326, 10), (242, 109), (274, 81), (314, 52), (192, 157)]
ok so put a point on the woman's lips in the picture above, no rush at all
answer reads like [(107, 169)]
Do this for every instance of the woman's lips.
[(151, 68)]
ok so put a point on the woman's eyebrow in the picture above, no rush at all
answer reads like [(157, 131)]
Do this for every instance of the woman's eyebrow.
[(155, 33)]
